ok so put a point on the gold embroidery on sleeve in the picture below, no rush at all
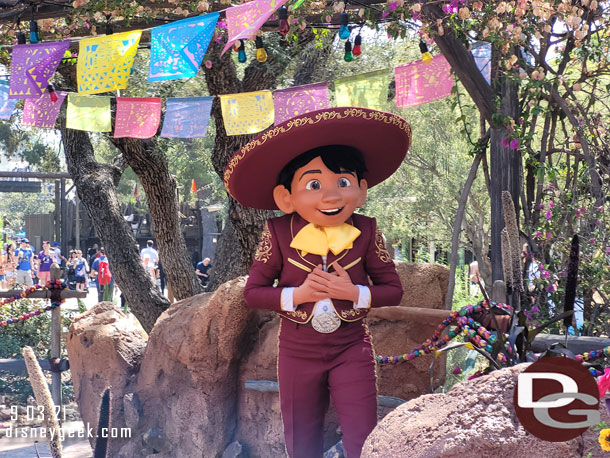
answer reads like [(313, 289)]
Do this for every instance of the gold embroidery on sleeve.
[(381, 251), (263, 251)]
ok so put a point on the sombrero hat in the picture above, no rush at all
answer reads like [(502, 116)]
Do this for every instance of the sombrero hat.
[(382, 138)]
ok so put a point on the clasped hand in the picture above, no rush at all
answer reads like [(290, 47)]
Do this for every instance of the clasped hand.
[(324, 285)]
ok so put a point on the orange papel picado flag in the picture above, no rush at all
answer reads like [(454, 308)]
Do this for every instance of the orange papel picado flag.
[(194, 186)]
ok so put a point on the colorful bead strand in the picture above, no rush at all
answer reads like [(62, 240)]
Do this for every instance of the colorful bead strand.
[(26, 316)]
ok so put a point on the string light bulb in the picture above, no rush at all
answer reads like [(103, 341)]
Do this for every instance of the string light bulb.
[(426, 57), (241, 54), (34, 38), (52, 93), (282, 14), (357, 49), (261, 54), (349, 56), (343, 28)]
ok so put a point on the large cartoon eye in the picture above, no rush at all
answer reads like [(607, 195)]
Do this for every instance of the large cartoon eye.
[(344, 183), (313, 185)]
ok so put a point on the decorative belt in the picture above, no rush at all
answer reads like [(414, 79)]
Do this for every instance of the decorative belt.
[(325, 318)]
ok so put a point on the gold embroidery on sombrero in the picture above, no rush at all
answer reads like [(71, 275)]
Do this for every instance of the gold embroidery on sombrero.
[(306, 120), (381, 251), (263, 251)]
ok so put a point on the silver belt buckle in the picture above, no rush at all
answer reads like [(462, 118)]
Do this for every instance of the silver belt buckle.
[(324, 319)]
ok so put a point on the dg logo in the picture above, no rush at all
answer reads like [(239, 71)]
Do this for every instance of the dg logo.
[(556, 399)]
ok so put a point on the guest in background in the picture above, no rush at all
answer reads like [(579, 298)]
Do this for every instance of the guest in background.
[(45, 259), (202, 271)]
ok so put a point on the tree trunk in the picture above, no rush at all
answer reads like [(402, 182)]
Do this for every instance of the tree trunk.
[(150, 165), (96, 187), (457, 228), (505, 174), (462, 63)]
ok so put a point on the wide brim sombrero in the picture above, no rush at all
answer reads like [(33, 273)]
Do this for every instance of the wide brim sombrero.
[(382, 138)]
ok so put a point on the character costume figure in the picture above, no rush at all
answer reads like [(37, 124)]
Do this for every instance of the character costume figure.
[(320, 266)]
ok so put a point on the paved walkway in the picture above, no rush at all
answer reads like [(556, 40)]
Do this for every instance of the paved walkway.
[(69, 450), (26, 447)]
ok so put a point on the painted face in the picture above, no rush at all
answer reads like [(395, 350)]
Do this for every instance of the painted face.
[(323, 197)]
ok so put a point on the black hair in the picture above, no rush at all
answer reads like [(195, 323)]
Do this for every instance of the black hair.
[(338, 158)]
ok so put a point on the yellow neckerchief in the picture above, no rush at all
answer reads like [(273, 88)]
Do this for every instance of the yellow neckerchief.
[(319, 240)]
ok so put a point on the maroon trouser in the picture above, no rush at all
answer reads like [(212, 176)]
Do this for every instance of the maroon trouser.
[(314, 367)]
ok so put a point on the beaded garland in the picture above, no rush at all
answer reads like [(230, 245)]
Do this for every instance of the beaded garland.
[(594, 354), (477, 334), (49, 285), (21, 295)]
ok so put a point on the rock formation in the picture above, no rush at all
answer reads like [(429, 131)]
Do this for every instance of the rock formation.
[(105, 349), (182, 394), (474, 419)]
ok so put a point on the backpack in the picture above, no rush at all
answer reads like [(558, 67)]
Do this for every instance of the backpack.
[(104, 277)]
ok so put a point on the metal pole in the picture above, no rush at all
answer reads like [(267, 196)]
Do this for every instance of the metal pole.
[(57, 208), (62, 235), (77, 220), (56, 341)]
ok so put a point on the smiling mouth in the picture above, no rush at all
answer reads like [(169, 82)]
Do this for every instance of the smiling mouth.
[(333, 211)]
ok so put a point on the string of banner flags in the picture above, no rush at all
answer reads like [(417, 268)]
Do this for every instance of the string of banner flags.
[(177, 50)]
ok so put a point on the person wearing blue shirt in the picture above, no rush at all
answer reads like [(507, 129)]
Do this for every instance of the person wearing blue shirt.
[(25, 264)]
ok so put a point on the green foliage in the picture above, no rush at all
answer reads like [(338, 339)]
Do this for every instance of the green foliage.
[(35, 332)]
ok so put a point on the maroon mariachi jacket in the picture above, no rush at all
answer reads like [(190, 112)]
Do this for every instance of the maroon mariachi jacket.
[(275, 259)]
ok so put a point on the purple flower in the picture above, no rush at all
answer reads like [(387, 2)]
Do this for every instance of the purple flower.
[(592, 241), (535, 309), (384, 15), (608, 250), (541, 207), (415, 16), (392, 6), (549, 235), (475, 375), (222, 24), (598, 223), (548, 214), (551, 204), (457, 370), (537, 234), (544, 274), (550, 288), (504, 142), (514, 144), (600, 208)]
